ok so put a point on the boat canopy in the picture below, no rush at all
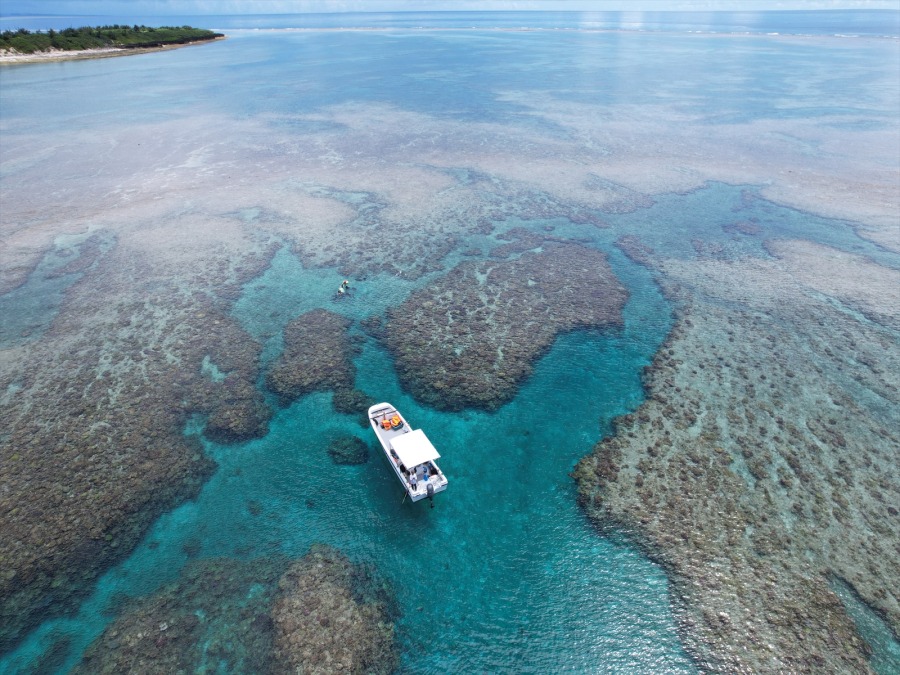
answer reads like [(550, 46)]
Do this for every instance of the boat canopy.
[(414, 448)]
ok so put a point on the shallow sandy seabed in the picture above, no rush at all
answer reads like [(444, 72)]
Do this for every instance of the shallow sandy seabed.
[(402, 159), (850, 279), (762, 463), (195, 206)]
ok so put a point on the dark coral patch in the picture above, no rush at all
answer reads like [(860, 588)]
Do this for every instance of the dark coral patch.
[(635, 249), (93, 448), (216, 612), (348, 450), (333, 616), (470, 339), (319, 614), (317, 356), (353, 402)]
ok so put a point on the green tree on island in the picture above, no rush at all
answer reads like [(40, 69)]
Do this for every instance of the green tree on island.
[(24, 41)]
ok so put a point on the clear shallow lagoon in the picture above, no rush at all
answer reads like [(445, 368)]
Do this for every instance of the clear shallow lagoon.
[(505, 574)]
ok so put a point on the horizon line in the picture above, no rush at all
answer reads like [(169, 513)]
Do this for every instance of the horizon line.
[(489, 11)]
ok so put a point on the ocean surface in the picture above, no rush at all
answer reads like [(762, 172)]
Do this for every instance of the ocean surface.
[(505, 573), (871, 23)]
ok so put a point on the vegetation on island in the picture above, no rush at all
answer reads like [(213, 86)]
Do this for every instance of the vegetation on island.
[(24, 41)]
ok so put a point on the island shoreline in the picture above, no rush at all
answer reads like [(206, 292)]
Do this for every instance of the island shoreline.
[(56, 56)]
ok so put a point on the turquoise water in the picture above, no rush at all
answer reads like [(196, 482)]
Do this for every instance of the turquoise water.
[(884, 644), (503, 571), (504, 574), (29, 310)]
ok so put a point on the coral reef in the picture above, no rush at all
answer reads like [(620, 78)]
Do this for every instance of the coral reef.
[(635, 249), (92, 412), (317, 355), (747, 227), (379, 239), (214, 617), (470, 338), (353, 402), (762, 465), (333, 616), (319, 614), (520, 239), (348, 450), (237, 409), (93, 448)]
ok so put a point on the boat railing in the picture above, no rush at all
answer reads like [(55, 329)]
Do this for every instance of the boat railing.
[(382, 411)]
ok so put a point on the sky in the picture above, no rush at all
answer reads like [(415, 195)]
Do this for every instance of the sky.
[(194, 7)]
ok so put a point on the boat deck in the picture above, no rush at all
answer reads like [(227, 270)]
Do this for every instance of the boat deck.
[(416, 484)]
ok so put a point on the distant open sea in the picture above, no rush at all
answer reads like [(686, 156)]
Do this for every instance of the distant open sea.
[(871, 23), (464, 134)]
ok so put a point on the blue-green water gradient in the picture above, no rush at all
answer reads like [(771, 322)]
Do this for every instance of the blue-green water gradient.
[(504, 574)]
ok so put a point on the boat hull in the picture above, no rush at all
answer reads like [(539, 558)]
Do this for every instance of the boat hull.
[(420, 487)]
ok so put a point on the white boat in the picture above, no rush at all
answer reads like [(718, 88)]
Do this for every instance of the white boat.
[(409, 453)]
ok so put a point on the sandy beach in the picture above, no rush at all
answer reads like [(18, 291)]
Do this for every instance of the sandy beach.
[(13, 58)]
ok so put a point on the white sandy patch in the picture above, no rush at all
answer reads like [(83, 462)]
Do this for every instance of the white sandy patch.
[(887, 237), (803, 269), (850, 278), (12, 57), (210, 165), (822, 166), (58, 55)]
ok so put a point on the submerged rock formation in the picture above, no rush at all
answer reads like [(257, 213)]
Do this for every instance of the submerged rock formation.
[(332, 616), (412, 238), (321, 614), (762, 464), (470, 338), (215, 613), (94, 410), (317, 355), (348, 450), (353, 402)]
